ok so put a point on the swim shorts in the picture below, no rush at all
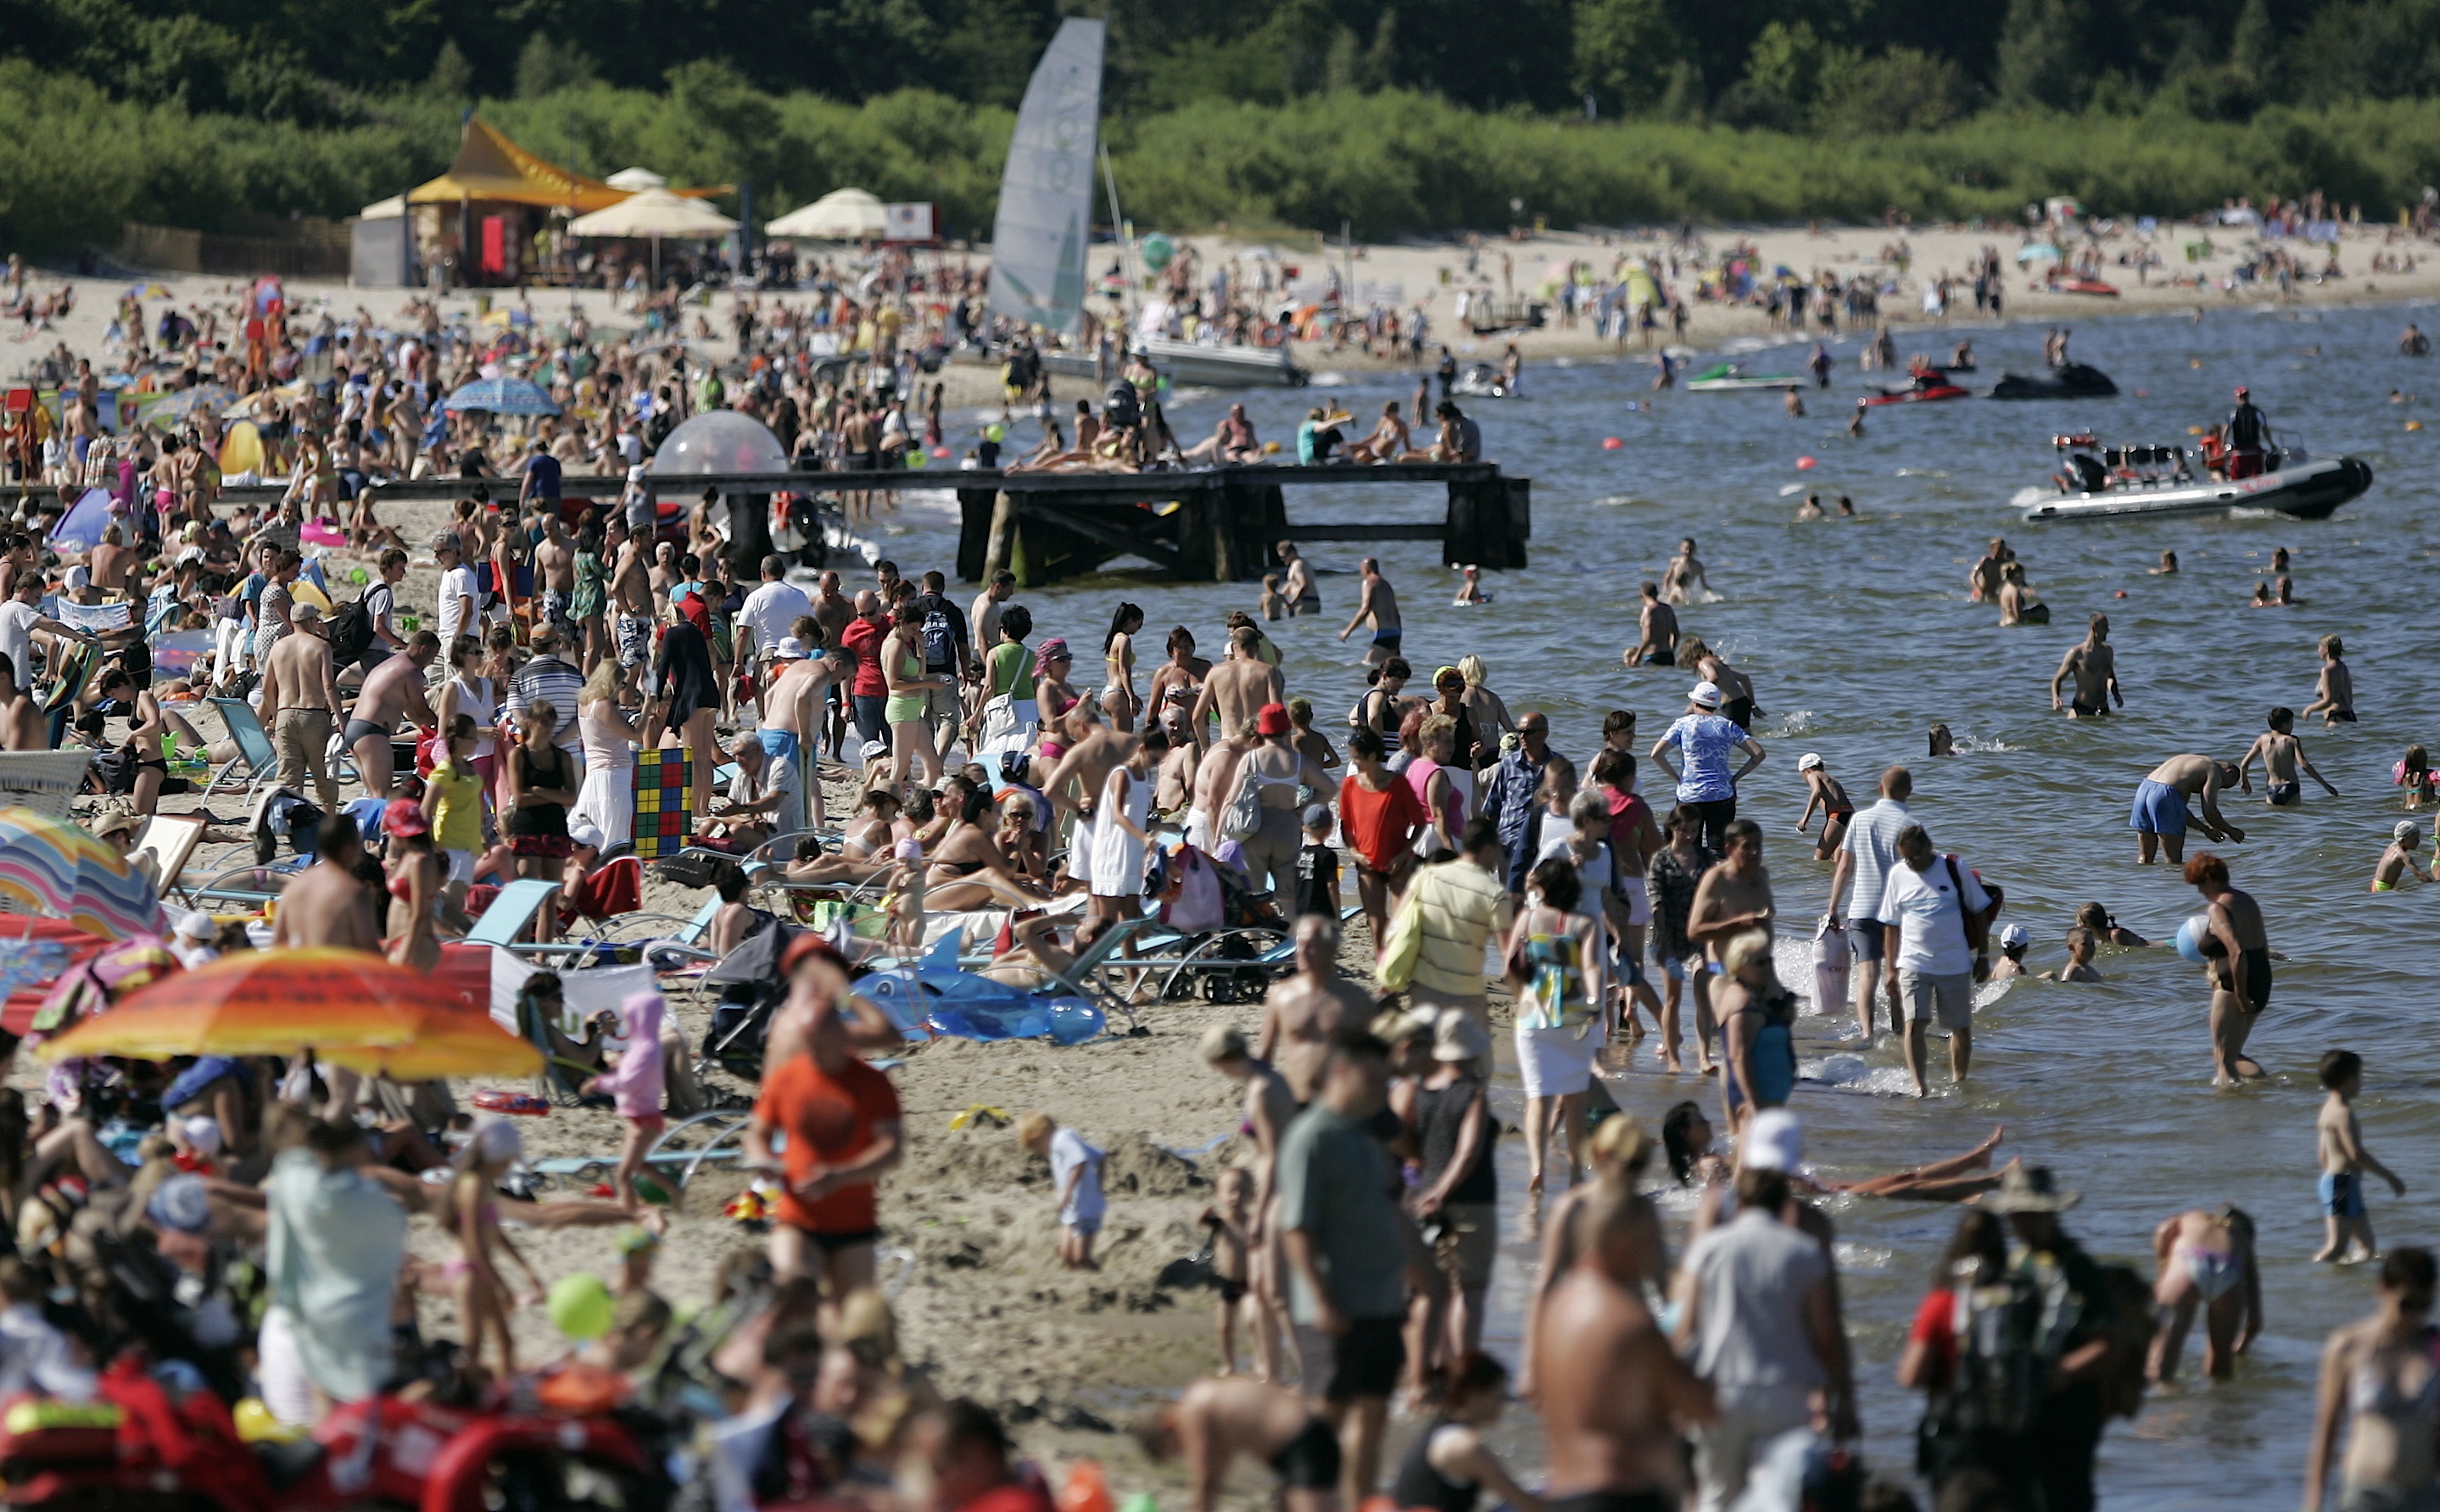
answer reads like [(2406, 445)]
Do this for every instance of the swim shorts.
[(1311, 1460), (554, 606), (1661, 659), (2085, 710), (2160, 809), (2341, 1195), (1363, 1362), (2286, 795), (1389, 640), (635, 639)]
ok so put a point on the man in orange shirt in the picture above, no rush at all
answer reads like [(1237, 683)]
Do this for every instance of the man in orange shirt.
[(841, 1120)]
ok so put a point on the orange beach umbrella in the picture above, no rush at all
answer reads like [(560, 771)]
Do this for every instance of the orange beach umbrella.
[(348, 1007)]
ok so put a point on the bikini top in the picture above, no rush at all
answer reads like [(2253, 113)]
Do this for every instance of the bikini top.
[(2375, 1391)]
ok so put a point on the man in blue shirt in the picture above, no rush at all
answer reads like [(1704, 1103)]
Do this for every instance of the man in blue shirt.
[(1509, 799), (542, 478)]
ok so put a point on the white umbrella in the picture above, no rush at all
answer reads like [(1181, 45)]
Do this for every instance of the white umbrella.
[(634, 179), (655, 213), (842, 215)]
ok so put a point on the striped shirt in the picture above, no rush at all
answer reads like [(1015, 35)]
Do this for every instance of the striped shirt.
[(547, 679)]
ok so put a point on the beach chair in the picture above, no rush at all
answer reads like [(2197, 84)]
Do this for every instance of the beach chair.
[(682, 1149), (513, 912), (249, 887), (256, 764), (165, 846)]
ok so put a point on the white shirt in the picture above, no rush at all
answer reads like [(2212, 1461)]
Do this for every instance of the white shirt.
[(1068, 1151), (458, 589), (1932, 930), (770, 609), (1873, 840), (17, 620), (35, 1357), (631, 447)]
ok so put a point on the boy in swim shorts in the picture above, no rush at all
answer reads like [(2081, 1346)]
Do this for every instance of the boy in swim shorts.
[(2345, 1161)]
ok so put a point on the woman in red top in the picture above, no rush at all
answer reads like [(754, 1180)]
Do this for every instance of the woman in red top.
[(1380, 816)]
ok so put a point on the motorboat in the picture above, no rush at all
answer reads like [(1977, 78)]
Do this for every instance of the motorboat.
[(2073, 380), (2097, 483), (1928, 386), (1191, 362), (1730, 378), (1481, 380)]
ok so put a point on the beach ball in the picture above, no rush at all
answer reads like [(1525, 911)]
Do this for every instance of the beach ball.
[(1806, 464), (2190, 938), (1158, 250), (1270, 448), (581, 1306), (1612, 443), (2415, 424), (994, 433), (940, 452), (915, 456), (358, 577)]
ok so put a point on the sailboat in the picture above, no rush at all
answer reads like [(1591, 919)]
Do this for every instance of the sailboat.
[(1044, 227)]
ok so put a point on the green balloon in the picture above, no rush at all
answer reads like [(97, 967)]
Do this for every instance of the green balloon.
[(916, 457), (1158, 250), (994, 433), (581, 1306)]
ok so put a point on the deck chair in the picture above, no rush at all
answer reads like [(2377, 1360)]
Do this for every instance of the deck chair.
[(256, 764), (682, 1149), (168, 841), (513, 912)]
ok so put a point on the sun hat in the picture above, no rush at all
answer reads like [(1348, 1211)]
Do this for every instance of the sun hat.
[(1459, 1036), (789, 649), (1704, 695), (404, 818), (198, 926), (2029, 1189), (1272, 720), (2016, 934), (584, 832), (1807, 762), (1773, 1142), (202, 1134)]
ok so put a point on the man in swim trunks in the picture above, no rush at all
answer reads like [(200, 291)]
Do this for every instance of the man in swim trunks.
[(554, 565), (1982, 582), (1237, 690), (2160, 818), (1303, 597), (1614, 1398), (2237, 949), (1379, 603), (1658, 645), (1305, 1008), (631, 602), (393, 692), (2094, 666), (2282, 753), (1215, 1420)]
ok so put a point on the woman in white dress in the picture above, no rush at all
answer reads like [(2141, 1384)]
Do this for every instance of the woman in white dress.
[(1120, 834), (608, 794), (1555, 967)]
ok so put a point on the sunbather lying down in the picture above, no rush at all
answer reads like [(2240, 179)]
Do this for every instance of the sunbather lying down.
[(1959, 1178), (1035, 958)]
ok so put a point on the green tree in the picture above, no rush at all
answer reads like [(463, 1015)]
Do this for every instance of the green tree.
[(546, 67), (2042, 55), (1902, 90), (1625, 54), (2253, 46)]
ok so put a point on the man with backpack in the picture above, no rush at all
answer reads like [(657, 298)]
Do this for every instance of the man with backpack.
[(1936, 915), (948, 655)]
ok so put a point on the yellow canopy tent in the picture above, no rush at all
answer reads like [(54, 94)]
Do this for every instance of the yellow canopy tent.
[(491, 166)]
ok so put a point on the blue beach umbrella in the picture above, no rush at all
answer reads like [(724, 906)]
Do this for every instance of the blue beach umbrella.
[(502, 396)]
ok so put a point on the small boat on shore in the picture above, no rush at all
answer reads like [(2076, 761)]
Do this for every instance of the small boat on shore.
[(1191, 362), (2074, 380), (2130, 482), (1730, 378)]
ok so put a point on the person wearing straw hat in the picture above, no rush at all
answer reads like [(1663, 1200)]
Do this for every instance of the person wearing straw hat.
[(2045, 1265)]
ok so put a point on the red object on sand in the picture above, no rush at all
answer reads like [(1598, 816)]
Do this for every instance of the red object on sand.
[(520, 1104)]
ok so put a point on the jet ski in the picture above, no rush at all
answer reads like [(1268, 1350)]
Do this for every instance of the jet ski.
[(2096, 482), (1730, 378), (2074, 380), (1930, 383), (1480, 380)]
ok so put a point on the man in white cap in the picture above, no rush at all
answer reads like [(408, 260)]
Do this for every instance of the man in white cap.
[(1757, 1307), (193, 942), (1694, 752)]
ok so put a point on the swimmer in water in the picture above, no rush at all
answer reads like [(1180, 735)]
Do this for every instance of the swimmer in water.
[(1983, 578), (1854, 429), (1810, 509), (2335, 699), (2398, 858), (1941, 742), (2015, 940), (2262, 598), (1683, 578), (2205, 1263), (2080, 943), (1658, 623), (2236, 953), (2018, 602), (2106, 927), (1823, 792), (1846, 505), (2414, 773), (2160, 817), (2345, 1162), (2168, 567), (2094, 666), (1469, 591), (2282, 755), (1795, 404)]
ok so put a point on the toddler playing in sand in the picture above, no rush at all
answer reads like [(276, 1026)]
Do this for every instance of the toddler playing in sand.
[(1076, 1171)]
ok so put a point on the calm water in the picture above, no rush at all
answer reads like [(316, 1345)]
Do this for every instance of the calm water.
[(1859, 635)]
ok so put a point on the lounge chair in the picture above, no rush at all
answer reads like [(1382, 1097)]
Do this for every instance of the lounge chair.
[(166, 844), (513, 912), (256, 764)]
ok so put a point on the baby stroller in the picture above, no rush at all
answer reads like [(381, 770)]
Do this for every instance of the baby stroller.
[(751, 990)]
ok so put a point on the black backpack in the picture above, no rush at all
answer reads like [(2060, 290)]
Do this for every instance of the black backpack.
[(352, 630), (1122, 406), (940, 637)]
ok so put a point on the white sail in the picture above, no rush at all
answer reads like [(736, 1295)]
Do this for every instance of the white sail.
[(1045, 196)]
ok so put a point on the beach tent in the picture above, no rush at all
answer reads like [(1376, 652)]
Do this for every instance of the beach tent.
[(842, 215), (492, 168)]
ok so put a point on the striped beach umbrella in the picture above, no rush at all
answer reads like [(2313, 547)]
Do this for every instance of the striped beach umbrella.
[(52, 867)]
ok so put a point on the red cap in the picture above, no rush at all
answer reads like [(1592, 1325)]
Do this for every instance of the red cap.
[(809, 947), (1273, 720), (404, 818), (2242, 391)]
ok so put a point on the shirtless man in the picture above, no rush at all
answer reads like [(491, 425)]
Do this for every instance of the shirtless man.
[(2094, 667), (112, 559), (1173, 783), (2238, 952), (1982, 582), (1215, 780), (1733, 896), (2282, 754), (1298, 589), (1305, 1008), (1658, 645), (792, 710), (326, 905), (631, 605), (982, 620), (22, 726), (1614, 1398), (300, 703), (1378, 604), (2160, 817), (2334, 699), (1094, 750), (1218, 1418), (1239, 687), (832, 609), (554, 567), (393, 691), (1683, 577)]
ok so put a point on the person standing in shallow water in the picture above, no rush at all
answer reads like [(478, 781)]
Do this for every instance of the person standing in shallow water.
[(2379, 1377), (2094, 666), (2236, 953)]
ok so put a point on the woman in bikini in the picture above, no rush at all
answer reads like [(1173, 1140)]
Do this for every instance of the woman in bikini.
[(1118, 668), (2205, 1260), (414, 876), (875, 832), (1381, 708), (968, 868), (2379, 1376), (1054, 698), (902, 668)]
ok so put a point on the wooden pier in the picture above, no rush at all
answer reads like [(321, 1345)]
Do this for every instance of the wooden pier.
[(1211, 525)]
